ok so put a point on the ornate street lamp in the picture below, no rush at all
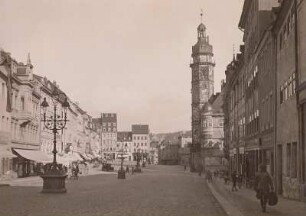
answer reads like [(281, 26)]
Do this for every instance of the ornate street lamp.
[(138, 158), (54, 175), (121, 172)]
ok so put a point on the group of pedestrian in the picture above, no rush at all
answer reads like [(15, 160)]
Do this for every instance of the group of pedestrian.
[(263, 186), (237, 179)]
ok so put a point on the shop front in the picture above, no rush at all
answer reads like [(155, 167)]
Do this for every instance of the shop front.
[(29, 162)]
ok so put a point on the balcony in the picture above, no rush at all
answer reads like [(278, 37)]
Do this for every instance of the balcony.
[(24, 116)]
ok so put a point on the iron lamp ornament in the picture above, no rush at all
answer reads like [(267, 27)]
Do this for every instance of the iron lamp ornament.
[(55, 175)]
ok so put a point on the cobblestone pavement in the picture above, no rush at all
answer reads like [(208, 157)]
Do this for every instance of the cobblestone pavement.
[(158, 191)]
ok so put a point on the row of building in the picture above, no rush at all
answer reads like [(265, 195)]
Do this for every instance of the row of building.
[(128, 143), (265, 95), (25, 141)]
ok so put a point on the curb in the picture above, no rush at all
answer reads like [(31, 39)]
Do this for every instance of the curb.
[(4, 185), (228, 208)]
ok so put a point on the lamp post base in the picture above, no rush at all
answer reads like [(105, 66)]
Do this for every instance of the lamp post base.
[(121, 174), (54, 181)]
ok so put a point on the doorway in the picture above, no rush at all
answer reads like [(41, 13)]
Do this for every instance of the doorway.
[(280, 169)]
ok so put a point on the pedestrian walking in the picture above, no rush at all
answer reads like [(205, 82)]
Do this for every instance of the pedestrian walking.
[(209, 176), (240, 178), (263, 186), (234, 179), (200, 169), (185, 167), (226, 178), (77, 170), (127, 169), (133, 170)]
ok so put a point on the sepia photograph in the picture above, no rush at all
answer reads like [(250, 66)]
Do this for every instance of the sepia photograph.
[(152, 107)]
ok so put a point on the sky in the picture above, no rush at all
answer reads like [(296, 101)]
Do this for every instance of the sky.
[(129, 57)]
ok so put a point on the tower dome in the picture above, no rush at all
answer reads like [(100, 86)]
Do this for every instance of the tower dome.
[(202, 27)]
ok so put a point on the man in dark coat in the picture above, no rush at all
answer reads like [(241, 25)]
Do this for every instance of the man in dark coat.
[(234, 179), (263, 186)]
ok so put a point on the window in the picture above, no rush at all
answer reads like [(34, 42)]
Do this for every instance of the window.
[(288, 159), (3, 90), (281, 40), (293, 83), (294, 160), (290, 87), (221, 122), (22, 103), (285, 91)]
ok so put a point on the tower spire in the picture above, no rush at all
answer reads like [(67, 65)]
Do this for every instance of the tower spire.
[(201, 14), (234, 58), (29, 59)]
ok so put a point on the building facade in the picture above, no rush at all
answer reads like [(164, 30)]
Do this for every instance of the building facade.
[(212, 120), (272, 91), (287, 139), (259, 74), (125, 145), (109, 134), (202, 88), (185, 141), (301, 91), (141, 140), (6, 155), (234, 114)]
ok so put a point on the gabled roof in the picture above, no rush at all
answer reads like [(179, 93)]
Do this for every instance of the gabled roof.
[(140, 129), (124, 136), (215, 104)]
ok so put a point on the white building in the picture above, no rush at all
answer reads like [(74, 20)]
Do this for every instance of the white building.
[(141, 139), (5, 117)]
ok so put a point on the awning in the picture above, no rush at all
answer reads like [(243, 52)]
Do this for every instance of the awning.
[(33, 155), (7, 154), (73, 157), (59, 159), (95, 154), (84, 156), (90, 156)]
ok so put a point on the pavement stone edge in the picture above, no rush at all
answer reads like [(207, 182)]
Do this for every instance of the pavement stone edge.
[(228, 208)]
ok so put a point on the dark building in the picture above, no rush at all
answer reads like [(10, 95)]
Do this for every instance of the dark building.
[(109, 134), (256, 19)]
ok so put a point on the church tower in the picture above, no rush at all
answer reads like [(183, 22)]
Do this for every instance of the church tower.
[(202, 89)]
